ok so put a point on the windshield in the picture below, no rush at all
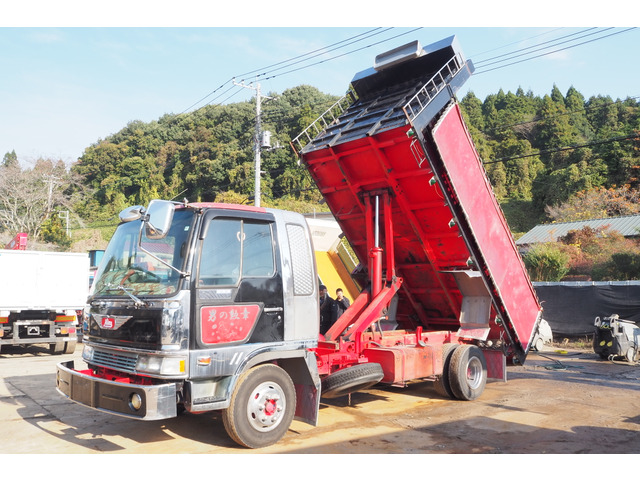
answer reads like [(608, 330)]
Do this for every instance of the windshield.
[(126, 269)]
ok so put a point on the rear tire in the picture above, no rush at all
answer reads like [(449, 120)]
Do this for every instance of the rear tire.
[(262, 407), (442, 385), (467, 372), (351, 379), (56, 348)]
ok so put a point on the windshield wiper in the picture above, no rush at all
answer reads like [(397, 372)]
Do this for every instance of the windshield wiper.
[(136, 300)]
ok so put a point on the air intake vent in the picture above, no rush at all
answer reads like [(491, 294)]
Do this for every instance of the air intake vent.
[(120, 361)]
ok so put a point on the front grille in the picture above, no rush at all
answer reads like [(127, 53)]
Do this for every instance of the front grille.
[(120, 361), (134, 328)]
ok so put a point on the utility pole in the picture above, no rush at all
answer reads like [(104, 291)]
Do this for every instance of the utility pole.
[(66, 218), (256, 147), (257, 141), (50, 181)]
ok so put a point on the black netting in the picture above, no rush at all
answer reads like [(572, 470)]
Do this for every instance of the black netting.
[(571, 307)]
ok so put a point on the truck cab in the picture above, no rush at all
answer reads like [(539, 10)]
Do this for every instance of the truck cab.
[(190, 300)]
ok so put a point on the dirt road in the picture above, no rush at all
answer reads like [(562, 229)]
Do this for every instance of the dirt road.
[(556, 403)]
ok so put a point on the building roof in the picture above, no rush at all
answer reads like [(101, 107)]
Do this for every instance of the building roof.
[(629, 226)]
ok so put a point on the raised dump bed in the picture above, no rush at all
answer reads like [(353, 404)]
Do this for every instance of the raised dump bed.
[(403, 143)]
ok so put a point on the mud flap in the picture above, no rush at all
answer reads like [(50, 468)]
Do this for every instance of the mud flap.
[(496, 365)]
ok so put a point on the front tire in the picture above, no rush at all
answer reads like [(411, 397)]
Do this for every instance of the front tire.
[(262, 407), (467, 372)]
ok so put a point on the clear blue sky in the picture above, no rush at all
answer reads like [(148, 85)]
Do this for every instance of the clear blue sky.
[(63, 89)]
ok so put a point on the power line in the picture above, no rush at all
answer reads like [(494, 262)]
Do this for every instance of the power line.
[(370, 33), (208, 95), (321, 50), (320, 54), (516, 42), (346, 53), (562, 149), (554, 51), (367, 34), (479, 62), (346, 42)]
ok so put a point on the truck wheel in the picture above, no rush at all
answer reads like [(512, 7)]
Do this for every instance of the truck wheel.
[(70, 347), (56, 348), (351, 379), (261, 408), (442, 385), (467, 372)]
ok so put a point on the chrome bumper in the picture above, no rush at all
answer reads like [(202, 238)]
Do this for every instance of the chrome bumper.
[(155, 401)]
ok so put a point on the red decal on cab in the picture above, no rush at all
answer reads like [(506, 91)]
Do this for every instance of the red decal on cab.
[(226, 324)]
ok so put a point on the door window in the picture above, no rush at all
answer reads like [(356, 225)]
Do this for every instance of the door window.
[(233, 247)]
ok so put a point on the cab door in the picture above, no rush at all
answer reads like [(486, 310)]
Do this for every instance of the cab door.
[(238, 283)]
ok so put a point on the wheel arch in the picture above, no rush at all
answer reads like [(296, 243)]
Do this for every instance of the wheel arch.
[(302, 368)]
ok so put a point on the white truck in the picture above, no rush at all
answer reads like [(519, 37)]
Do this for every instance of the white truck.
[(40, 295)]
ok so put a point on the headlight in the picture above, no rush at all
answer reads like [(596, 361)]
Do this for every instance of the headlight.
[(87, 353), (161, 365), (149, 364)]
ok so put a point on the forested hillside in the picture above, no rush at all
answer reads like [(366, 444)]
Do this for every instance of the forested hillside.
[(206, 155), (547, 157), (540, 152)]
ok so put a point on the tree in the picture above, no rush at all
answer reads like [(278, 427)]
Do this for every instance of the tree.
[(597, 202), (575, 102), (10, 159), (600, 254), (29, 198), (53, 231), (622, 266)]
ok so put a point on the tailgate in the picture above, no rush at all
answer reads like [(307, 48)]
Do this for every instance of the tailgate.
[(482, 223)]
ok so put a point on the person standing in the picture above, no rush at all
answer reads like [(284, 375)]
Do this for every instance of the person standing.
[(340, 304), (327, 310)]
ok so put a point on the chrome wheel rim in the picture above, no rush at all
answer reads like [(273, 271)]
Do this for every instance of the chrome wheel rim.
[(266, 407), (475, 373)]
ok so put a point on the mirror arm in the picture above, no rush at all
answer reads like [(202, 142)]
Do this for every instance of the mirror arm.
[(182, 274)]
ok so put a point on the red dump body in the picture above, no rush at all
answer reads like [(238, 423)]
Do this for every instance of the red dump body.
[(402, 149)]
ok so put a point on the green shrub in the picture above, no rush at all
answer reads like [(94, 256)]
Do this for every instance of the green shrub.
[(621, 266), (546, 262)]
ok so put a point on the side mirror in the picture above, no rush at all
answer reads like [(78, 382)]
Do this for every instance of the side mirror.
[(159, 217), (131, 213)]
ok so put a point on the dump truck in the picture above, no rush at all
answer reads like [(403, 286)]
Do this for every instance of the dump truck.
[(203, 306), (41, 294)]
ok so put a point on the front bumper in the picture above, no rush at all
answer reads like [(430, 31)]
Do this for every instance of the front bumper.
[(154, 402)]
